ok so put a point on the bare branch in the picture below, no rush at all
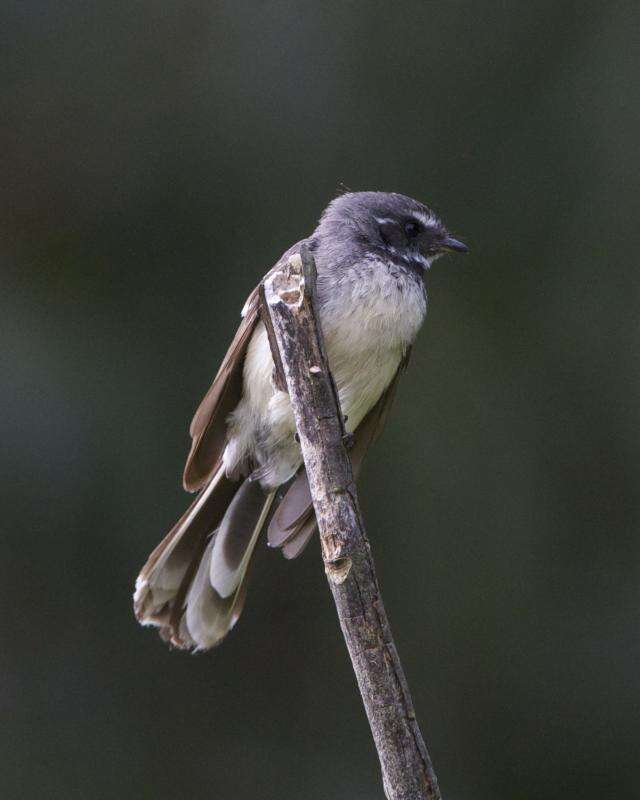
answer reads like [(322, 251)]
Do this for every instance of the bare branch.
[(298, 349)]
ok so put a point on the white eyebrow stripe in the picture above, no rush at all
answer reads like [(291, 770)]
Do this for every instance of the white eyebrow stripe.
[(427, 219)]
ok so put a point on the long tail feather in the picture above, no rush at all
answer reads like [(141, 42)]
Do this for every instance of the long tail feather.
[(194, 583), (296, 544), (216, 596), (209, 614), (161, 577)]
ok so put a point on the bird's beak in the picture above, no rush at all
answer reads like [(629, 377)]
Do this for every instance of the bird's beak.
[(455, 245)]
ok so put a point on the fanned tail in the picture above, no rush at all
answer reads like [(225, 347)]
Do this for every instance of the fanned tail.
[(194, 583)]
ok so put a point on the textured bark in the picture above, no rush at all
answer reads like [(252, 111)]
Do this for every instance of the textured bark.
[(301, 365)]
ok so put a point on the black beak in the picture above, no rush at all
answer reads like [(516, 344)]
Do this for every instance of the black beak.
[(454, 244)]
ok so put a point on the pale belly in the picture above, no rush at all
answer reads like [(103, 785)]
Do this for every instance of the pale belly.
[(364, 351)]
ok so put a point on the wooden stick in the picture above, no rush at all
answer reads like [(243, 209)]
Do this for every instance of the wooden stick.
[(298, 352)]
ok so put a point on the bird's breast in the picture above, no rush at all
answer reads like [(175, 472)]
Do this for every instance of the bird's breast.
[(368, 325)]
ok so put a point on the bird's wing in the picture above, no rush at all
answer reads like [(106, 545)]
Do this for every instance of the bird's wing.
[(208, 427), (293, 522)]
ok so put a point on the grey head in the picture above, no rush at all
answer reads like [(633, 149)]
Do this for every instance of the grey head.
[(381, 227)]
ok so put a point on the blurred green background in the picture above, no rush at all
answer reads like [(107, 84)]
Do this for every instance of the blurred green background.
[(156, 159)]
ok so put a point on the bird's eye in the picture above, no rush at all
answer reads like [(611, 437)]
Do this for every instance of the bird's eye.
[(412, 229)]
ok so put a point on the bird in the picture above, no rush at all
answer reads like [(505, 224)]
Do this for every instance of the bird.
[(372, 250)]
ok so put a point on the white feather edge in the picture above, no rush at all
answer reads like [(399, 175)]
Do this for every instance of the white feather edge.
[(146, 583), (205, 625)]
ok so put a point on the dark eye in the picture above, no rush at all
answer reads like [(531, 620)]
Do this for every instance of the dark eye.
[(412, 229)]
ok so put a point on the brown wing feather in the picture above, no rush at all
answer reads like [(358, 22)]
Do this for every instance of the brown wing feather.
[(209, 425), (293, 523)]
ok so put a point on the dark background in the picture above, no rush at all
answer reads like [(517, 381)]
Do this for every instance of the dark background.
[(157, 157)]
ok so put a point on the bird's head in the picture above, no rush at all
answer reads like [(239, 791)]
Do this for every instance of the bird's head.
[(383, 225)]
